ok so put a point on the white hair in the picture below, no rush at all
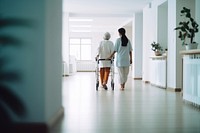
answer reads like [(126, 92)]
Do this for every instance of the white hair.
[(106, 36)]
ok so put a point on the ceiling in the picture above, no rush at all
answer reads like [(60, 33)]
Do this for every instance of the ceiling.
[(105, 14)]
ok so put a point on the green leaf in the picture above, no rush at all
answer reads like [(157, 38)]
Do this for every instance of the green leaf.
[(7, 22), (183, 29), (188, 15), (180, 23), (9, 40), (11, 100), (5, 118), (177, 28), (10, 76)]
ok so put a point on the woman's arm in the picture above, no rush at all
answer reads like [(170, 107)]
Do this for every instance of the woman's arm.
[(130, 53), (111, 56), (97, 57)]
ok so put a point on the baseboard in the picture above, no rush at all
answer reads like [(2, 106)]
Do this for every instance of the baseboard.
[(86, 71), (29, 128), (65, 75), (174, 89), (146, 82), (158, 86), (137, 78), (192, 104), (34, 127), (59, 114)]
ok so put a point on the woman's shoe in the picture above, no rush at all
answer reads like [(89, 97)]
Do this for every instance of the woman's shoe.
[(105, 87), (122, 89)]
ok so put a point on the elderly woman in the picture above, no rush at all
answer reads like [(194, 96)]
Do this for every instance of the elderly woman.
[(104, 50)]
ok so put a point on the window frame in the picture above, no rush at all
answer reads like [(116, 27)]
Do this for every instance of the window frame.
[(80, 44)]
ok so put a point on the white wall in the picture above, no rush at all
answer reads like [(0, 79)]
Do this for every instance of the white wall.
[(65, 41), (149, 35), (39, 57), (128, 29), (171, 59), (53, 58), (162, 18), (137, 44)]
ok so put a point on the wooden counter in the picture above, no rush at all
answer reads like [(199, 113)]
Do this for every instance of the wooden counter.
[(189, 52), (158, 57)]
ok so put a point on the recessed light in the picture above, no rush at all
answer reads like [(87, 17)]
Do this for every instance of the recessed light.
[(83, 20), (81, 26), (80, 30)]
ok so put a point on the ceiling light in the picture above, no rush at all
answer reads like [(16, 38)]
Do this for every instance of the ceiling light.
[(81, 26), (80, 30), (85, 20)]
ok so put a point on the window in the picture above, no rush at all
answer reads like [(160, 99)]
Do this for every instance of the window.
[(81, 48)]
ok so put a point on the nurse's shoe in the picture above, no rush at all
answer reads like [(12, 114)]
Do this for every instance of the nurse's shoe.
[(122, 87)]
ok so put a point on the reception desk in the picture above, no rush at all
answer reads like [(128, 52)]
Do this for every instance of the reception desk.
[(158, 71), (191, 76)]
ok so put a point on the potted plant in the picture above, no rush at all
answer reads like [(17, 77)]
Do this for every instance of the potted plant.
[(9, 102), (156, 48), (187, 29)]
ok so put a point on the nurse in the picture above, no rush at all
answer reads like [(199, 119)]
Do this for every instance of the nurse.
[(105, 49), (124, 56)]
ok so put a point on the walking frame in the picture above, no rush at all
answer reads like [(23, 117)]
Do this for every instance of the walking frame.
[(97, 71)]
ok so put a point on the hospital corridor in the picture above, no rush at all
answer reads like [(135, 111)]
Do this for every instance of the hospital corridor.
[(64, 66)]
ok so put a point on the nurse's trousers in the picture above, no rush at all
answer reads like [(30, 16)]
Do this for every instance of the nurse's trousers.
[(123, 74)]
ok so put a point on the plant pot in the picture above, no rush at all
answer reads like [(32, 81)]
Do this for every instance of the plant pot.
[(158, 53), (191, 46)]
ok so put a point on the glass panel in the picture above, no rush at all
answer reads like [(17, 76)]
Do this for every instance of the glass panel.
[(75, 50), (74, 41), (86, 41), (85, 52)]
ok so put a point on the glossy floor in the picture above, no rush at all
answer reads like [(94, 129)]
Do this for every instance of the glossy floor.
[(141, 108)]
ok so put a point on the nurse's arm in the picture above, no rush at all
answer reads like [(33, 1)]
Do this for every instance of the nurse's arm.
[(130, 53), (111, 56)]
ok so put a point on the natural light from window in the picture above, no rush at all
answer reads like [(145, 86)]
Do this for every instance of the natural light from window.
[(81, 48)]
